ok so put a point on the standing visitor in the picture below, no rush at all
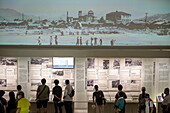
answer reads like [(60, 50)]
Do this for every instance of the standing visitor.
[(12, 105), (141, 105), (120, 87), (23, 104), (2, 102), (67, 98), (150, 107), (19, 89), (120, 104), (98, 98), (166, 101), (57, 92), (42, 96)]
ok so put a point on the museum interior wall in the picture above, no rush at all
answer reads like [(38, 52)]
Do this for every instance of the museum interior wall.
[(108, 73)]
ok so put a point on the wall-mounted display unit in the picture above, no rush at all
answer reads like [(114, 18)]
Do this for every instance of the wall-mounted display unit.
[(63, 62)]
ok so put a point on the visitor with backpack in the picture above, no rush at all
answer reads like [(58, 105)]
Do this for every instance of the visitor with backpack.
[(120, 87), (68, 97), (2, 102), (150, 107), (57, 92), (141, 105), (98, 100), (120, 104)]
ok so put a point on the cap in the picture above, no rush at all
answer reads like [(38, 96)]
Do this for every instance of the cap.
[(146, 96)]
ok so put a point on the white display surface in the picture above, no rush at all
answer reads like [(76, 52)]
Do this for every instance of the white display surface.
[(63, 62)]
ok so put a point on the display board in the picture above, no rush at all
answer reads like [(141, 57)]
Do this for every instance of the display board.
[(63, 62), (42, 68), (8, 74), (108, 73), (85, 22)]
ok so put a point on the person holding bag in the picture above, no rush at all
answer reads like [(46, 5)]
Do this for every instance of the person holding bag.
[(42, 96)]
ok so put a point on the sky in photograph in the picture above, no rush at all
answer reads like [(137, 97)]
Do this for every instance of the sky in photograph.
[(58, 8)]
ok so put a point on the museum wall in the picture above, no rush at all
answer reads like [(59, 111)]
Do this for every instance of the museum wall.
[(132, 73)]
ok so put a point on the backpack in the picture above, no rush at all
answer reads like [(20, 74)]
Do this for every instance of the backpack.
[(72, 93), (154, 108)]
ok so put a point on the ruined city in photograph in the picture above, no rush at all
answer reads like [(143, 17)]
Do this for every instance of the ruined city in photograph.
[(85, 22)]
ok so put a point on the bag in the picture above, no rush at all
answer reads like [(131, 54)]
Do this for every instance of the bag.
[(59, 103), (154, 108), (72, 93), (41, 92)]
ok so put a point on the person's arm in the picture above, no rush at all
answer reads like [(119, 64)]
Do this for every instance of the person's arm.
[(4, 108), (18, 110), (65, 92), (167, 108), (151, 110), (93, 98), (163, 95), (37, 93)]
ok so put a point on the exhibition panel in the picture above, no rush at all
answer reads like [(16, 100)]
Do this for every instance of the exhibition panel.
[(108, 73)]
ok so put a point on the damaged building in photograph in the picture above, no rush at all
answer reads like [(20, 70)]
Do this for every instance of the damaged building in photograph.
[(119, 17)]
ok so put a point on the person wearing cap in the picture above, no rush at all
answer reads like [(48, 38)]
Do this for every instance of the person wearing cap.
[(141, 105), (166, 101), (149, 104), (23, 104), (3, 102)]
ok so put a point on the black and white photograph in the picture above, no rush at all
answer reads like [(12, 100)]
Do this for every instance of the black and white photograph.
[(116, 64), (11, 61), (105, 64), (133, 62), (45, 60), (78, 23), (2, 61), (133, 81), (36, 61), (3, 82), (115, 83), (91, 62), (58, 72), (90, 82), (71, 83), (49, 66), (35, 82)]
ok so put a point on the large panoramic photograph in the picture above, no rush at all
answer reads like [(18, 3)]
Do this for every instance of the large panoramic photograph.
[(85, 22)]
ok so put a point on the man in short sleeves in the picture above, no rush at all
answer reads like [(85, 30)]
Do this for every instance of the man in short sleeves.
[(43, 92), (166, 101)]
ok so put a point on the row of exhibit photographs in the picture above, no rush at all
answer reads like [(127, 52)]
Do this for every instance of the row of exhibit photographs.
[(116, 63), (91, 62), (37, 72)]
